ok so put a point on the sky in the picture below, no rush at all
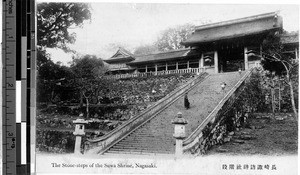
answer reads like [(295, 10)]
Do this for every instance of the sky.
[(130, 25)]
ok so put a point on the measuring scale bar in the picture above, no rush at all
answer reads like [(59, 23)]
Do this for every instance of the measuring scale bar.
[(18, 85)]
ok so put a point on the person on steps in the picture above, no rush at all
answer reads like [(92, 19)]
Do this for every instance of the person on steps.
[(186, 101)]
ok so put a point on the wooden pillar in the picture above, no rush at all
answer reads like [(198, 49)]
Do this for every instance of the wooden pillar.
[(155, 69), (188, 64), (166, 66), (216, 62), (146, 69), (260, 50), (176, 65), (246, 58), (202, 60), (199, 63), (296, 53)]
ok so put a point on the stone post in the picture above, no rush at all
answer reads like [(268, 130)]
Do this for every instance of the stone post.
[(179, 133), (79, 132)]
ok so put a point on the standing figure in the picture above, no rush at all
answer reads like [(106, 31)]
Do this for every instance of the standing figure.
[(186, 101)]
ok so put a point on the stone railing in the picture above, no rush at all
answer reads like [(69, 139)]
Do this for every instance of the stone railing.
[(211, 131), (165, 72), (100, 145)]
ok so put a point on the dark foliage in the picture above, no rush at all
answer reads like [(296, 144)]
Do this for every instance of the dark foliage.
[(54, 21)]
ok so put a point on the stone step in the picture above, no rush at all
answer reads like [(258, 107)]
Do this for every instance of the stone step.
[(154, 132), (143, 135), (150, 134), (145, 141), (141, 151), (143, 146), (121, 146), (137, 153), (149, 130), (138, 138), (126, 152)]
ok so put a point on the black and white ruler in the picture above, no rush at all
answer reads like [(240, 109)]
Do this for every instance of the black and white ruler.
[(18, 86)]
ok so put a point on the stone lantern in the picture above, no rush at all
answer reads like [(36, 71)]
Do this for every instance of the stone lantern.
[(79, 132), (179, 133)]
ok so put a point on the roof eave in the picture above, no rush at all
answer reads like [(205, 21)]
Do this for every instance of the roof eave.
[(236, 21), (194, 43), (129, 58), (156, 61)]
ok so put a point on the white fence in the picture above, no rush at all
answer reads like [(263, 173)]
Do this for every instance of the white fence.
[(166, 72)]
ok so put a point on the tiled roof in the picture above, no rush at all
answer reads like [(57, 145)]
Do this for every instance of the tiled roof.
[(121, 55), (162, 56), (235, 28), (123, 52)]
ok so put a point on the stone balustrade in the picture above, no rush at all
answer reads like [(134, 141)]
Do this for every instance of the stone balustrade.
[(165, 72)]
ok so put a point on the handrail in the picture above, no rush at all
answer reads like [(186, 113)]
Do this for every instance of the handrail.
[(136, 118), (193, 138)]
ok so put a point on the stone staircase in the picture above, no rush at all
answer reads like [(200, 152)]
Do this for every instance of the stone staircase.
[(156, 136)]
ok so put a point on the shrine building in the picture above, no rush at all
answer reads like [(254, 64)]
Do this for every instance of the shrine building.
[(214, 48)]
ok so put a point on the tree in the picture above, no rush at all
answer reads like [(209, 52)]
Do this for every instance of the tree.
[(278, 62), (170, 38), (89, 74), (87, 66), (145, 49), (270, 83), (48, 77), (54, 20)]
